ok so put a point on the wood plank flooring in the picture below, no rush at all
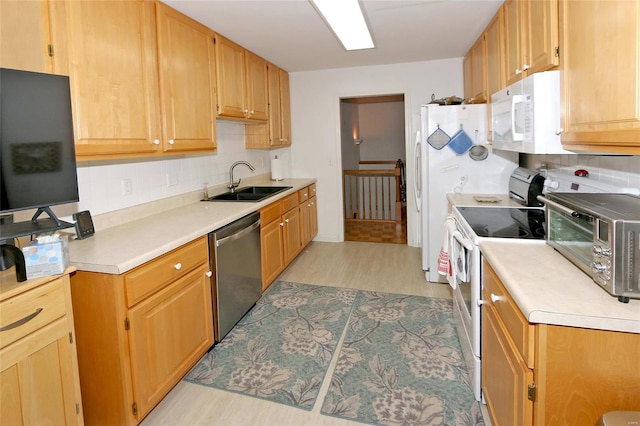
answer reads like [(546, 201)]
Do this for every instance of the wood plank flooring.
[(392, 268)]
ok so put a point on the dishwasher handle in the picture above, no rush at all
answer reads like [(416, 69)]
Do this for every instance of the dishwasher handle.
[(239, 234)]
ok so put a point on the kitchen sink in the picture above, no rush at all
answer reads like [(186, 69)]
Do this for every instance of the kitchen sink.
[(250, 193)]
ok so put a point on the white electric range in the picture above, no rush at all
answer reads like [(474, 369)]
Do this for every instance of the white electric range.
[(474, 223)]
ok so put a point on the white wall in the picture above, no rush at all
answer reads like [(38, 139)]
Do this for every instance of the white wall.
[(382, 131), (316, 132)]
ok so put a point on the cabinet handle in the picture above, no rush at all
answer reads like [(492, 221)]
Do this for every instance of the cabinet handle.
[(21, 321), (518, 72), (286, 220), (281, 224), (305, 194), (156, 141), (559, 131), (252, 112), (525, 67), (209, 274), (171, 142), (495, 298), (481, 302), (178, 266)]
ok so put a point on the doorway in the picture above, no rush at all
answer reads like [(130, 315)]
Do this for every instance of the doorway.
[(373, 172)]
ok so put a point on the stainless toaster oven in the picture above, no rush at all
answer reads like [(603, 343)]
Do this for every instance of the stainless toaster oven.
[(599, 233)]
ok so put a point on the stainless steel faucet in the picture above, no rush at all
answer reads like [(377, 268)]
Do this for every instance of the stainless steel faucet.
[(233, 185)]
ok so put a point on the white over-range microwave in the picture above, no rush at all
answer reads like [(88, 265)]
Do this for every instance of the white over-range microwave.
[(526, 115)]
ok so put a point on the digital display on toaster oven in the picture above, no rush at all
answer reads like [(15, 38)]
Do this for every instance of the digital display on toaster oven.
[(603, 231)]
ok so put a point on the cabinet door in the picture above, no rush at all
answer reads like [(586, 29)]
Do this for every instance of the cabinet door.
[(257, 93), (542, 40), (275, 106), (601, 75), (495, 49), (271, 252), (479, 70), (37, 384), (114, 84), (305, 223), (291, 235), (313, 217), (285, 108), (467, 75), (513, 40), (187, 82), (230, 78), (168, 333), (32, 36), (505, 377)]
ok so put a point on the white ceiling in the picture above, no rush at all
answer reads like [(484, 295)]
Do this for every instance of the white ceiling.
[(291, 34)]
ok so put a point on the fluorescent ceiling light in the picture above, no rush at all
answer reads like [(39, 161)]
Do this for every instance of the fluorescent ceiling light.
[(347, 22)]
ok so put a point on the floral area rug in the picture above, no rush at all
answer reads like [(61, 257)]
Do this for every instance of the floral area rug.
[(280, 350), (401, 364)]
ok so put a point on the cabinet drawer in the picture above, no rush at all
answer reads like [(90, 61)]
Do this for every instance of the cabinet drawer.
[(289, 202), (519, 329), (303, 195), (312, 190), (153, 275), (269, 214), (29, 311)]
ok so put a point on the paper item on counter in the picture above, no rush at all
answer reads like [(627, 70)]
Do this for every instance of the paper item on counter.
[(276, 169), (486, 199)]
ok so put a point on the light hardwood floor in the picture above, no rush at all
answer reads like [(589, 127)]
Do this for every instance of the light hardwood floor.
[(391, 268)]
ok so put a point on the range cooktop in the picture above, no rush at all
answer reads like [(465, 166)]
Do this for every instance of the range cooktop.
[(505, 222)]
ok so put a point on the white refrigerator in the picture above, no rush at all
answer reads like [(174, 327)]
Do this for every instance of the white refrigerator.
[(448, 161)]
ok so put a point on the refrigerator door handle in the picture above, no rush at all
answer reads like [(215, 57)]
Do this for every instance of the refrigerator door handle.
[(417, 181)]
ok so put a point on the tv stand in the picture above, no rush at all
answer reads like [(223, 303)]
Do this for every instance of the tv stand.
[(33, 226), (48, 211)]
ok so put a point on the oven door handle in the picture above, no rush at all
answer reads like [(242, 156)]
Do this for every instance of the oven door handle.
[(564, 209), (462, 240)]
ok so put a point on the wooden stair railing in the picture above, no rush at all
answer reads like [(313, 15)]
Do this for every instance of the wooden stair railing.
[(373, 195)]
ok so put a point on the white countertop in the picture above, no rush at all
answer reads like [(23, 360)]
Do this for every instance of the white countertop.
[(549, 289), (121, 248)]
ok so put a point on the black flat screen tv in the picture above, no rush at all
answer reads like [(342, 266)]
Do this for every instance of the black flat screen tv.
[(37, 150)]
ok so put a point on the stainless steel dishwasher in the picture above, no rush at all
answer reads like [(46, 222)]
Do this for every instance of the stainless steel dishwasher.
[(234, 254)]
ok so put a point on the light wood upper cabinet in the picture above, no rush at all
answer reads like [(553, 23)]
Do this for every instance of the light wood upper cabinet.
[(495, 54), (474, 66), (275, 106), (257, 89), (33, 36), (600, 84), (531, 37), (114, 83), (241, 82), (277, 132), (230, 78), (187, 78), (467, 77), (285, 108), (142, 80), (38, 362)]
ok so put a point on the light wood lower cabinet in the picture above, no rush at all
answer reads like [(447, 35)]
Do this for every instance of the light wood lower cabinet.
[(539, 374), (287, 226), (308, 210), (39, 381), (140, 332)]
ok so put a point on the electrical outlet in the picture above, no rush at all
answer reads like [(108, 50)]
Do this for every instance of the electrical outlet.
[(126, 186), (172, 179)]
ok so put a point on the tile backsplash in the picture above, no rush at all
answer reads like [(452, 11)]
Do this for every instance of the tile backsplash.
[(609, 171), (110, 186)]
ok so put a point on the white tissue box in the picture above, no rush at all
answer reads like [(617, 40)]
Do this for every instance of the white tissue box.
[(48, 258)]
